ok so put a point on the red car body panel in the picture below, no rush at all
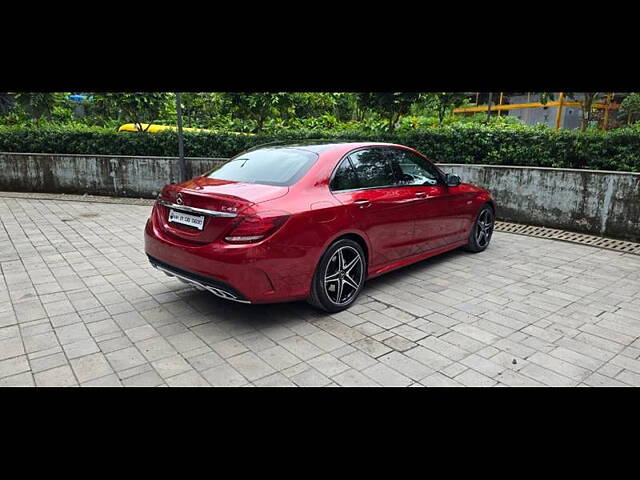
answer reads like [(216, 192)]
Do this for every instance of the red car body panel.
[(396, 227)]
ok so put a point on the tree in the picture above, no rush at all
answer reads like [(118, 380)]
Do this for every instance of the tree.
[(137, 108), (37, 104), (258, 106), (390, 105), (444, 102), (631, 106), (200, 109)]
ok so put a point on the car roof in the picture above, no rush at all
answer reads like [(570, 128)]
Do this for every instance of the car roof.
[(319, 145)]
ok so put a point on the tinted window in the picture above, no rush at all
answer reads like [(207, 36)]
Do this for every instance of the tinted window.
[(412, 169), (270, 166), (345, 177), (372, 168)]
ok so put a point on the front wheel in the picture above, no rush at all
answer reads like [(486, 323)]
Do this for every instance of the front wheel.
[(339, 277), (482, 230)]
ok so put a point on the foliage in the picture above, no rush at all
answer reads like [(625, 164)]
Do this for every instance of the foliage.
[(630, 106), (37, 104), (389, 105), (444, 102), (504, 144), (133, 107)]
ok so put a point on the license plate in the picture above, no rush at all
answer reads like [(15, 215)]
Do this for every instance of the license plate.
[(196, 221)]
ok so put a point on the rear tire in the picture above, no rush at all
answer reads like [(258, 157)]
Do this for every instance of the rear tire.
[(482, 230), (339, 277)]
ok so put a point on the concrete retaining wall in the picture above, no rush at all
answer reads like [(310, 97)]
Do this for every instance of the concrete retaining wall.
[(591, 201), (115, 175)]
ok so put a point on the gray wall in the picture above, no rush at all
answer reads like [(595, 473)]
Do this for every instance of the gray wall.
[(97, 174), (591, 201)]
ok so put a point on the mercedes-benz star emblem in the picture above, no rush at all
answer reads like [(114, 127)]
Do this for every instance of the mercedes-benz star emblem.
[(179, 199)]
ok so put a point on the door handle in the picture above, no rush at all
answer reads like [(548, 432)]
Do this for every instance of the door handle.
[(363, 203), (423, 195)]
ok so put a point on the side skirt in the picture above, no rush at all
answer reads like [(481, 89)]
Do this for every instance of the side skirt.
[(414, 259)]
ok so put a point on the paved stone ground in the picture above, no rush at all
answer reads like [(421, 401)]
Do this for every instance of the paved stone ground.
[(80, 305)]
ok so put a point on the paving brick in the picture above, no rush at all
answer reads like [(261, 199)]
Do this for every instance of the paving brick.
[(310, 378), (11, 347), (300, 347), (80, 348), (146, 379), (189, 378), (91, 367), (155, 348), (106, 381), (406, 365), (325, 341), (14, 366), (275, 380), (546, 376), (472, 378), (439, 380), (372, 347), (250, 366), (72, 333), (399, 343), (20, 380), (185, 342), (328, 365), (353, 378), (56, 377), (386, 376), (125, 358), (443, 347), (171, 366), (223, 376)]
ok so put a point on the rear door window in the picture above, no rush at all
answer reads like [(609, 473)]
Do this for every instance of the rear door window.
[(372, 168)]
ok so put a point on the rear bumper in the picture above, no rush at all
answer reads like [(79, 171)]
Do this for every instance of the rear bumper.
[(259, 273), (216, 287)]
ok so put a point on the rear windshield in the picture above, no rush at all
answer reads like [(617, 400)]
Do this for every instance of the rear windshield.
[(269, 166)]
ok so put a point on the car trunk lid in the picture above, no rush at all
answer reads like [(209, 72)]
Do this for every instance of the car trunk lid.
[(219, 202)]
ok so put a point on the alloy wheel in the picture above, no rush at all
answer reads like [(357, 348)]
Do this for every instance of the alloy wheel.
[(343, 275), (484, 228)]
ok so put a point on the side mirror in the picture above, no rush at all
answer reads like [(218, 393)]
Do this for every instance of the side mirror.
[(452, 180)]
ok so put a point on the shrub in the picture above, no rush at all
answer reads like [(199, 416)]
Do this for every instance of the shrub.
[(471, 143)]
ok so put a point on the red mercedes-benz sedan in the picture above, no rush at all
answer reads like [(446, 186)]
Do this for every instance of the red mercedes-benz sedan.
[(312, 221)]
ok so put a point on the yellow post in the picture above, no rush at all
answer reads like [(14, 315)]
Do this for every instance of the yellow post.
[(606, 112), (559, 114), (501, 96)]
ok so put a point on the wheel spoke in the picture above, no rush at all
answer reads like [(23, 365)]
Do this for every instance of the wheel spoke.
[(340, 260), (352, 264), (333, 277), (349, 281), (339, 291), (481, 235)]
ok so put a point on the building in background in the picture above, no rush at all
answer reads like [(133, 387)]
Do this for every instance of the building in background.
[(559, 112)]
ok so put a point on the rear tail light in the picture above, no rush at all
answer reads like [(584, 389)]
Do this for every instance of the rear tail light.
[(255, 228)]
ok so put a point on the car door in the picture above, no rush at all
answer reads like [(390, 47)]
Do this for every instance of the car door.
[(438, 216), (365, 183)]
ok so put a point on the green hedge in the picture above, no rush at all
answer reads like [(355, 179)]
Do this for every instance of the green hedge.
[(506, 145)]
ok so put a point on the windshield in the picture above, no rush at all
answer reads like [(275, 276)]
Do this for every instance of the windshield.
[(269, 166)]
